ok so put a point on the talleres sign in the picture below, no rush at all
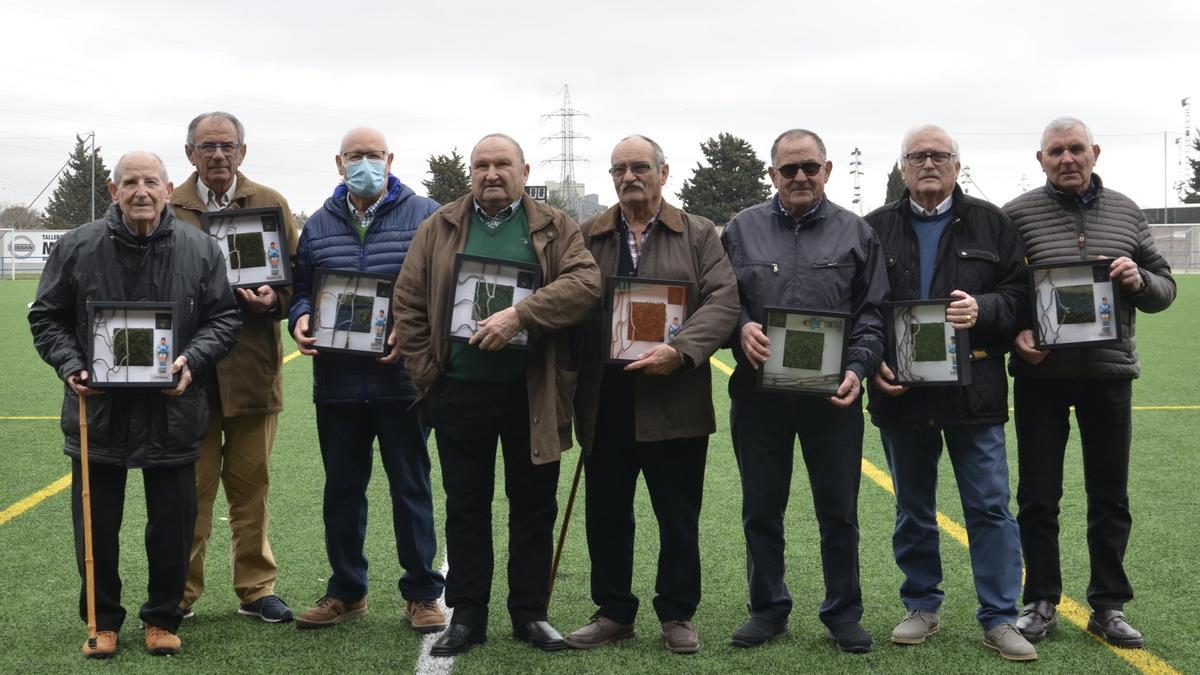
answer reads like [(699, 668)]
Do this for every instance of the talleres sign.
[(32, 245)]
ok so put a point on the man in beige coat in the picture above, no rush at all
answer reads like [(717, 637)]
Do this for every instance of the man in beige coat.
[(246, 387), (479, 391), (653, 415)]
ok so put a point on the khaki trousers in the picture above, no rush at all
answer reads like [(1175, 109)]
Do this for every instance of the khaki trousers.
[(235, 454)]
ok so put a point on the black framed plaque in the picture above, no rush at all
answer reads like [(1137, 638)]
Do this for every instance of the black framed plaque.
[(352, 312), (808, 349), (643, 313), (1075, 304), (132, 344), (924, 349), (254, 243), (484, 286)]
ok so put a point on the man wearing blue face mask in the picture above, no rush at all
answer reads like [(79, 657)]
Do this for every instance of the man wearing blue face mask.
[(366, 226)]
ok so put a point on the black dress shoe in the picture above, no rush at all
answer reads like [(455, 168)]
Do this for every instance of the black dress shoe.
[(540, 634), (458, 638), (757, 631), (1038, 620), (850, 637), (1111, 625)]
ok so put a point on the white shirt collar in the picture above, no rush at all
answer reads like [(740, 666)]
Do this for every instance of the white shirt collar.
[(937, 211), (211, 200)]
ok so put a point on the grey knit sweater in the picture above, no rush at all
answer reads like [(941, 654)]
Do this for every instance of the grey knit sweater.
[(1057, 228)]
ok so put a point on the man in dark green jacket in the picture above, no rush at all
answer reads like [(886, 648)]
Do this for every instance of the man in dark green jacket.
[(137, 252), (1072, 218)]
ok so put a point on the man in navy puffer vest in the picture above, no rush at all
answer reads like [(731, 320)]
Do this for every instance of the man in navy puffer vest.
[(366, 226)]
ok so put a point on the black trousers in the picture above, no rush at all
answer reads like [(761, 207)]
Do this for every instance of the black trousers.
[(468, 418), (1102, 411), (674, 472), (765, 426), (170, 519)]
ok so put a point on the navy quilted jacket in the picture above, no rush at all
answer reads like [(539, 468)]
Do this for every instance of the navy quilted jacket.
[(329, 239)]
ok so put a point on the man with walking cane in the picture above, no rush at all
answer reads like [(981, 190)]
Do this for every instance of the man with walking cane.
[(135, 253), (653, 413)]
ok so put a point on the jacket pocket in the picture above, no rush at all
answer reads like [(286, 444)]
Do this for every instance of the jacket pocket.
[(976, 268), (187, 419)]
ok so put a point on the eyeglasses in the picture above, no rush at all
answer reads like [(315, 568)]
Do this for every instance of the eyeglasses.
[(918, 158), (211, 148), (789, 171), (638, 169)]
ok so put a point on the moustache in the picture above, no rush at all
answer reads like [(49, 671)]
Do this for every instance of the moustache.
[(633, 184)]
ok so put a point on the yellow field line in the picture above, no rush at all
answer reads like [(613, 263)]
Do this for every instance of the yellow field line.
[(1141, 659), (60, 484), (35, 499)]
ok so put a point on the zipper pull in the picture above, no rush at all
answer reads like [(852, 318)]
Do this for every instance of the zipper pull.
[(775, 268), (1082, 240)]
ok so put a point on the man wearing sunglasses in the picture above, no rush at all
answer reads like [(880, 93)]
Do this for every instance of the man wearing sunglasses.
[(245, 388), (941, 243), (798, 249)]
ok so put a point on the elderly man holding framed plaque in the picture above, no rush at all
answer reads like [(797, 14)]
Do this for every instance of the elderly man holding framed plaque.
[(245, 219), (483, 390), (1074, 218), (801, 251), (957, 275), (350, 253), (644, 403)]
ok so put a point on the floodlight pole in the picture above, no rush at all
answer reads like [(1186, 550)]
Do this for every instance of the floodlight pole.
[(92, 186)]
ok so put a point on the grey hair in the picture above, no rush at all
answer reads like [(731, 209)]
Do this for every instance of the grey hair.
[(659, 157), (1066, 123), (924, 128), (798, 133), (120, 167), (510, 139), (237, 124)]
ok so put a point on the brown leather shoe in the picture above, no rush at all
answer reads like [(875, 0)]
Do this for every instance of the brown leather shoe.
[(106, 645), (161, 642), (329, 611), (426, 616), (599, 630), (680, 637)]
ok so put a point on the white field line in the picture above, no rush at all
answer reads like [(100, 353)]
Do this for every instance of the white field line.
[(436, 665)]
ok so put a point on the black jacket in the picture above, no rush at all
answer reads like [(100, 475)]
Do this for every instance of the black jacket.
[(830, 260), (980, 253), (102, 261)]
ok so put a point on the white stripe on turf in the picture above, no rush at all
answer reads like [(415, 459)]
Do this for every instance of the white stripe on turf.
[(435, 665)]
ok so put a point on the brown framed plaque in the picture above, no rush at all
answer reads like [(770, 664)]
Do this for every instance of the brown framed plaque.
[(643, 313)]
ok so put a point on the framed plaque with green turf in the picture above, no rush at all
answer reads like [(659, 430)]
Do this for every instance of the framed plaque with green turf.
[(132, 344), (484, 286), (923, 349), (808, 348), (643, 313), (1074, 304), (352, 312), (254, 243)]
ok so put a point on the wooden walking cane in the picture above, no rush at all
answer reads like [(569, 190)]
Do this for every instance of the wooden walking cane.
[(562, 535), (85, 496)]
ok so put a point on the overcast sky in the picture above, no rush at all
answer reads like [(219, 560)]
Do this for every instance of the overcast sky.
[(438, 75)]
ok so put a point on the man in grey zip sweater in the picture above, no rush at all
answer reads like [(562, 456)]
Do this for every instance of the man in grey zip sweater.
[(1074, 217)]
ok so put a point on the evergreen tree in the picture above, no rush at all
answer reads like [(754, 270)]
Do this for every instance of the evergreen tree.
[(450, 180), (71, 203), (732, 181), (1192, 189), (895, 185), (560, 202)]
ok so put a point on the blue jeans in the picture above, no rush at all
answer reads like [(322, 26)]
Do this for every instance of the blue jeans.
[(346, 433), (977, 454)]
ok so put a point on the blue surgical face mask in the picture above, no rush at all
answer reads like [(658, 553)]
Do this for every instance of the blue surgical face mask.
[(366, 177)]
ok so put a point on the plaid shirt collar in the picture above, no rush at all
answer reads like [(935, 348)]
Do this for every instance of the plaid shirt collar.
[(635, 244), (502, 216), (365, 217)]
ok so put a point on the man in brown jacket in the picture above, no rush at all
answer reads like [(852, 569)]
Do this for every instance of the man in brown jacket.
[(477, 392), (652, 416), (246, 387)]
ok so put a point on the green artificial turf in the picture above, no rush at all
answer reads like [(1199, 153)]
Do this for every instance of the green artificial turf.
[(39, 606)]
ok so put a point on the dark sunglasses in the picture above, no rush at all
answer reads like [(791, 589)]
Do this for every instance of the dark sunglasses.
[(789, 171)]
